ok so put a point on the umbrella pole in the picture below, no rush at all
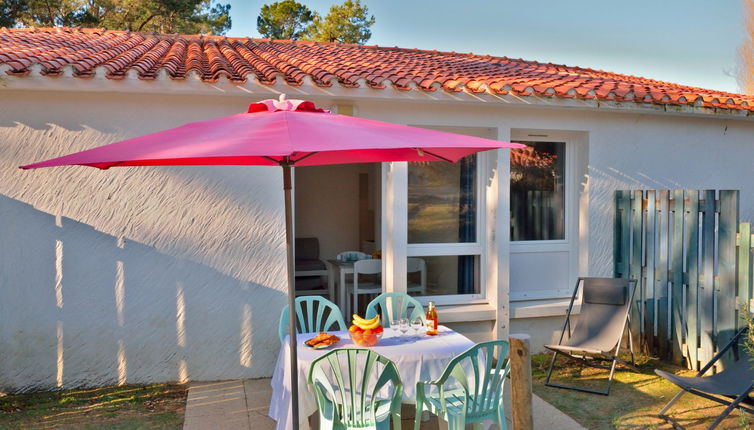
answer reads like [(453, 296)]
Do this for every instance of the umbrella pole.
[(291, 293)]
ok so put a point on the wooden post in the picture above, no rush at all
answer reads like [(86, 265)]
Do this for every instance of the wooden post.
[(520, 358)]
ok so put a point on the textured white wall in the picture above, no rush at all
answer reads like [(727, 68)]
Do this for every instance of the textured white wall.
[(194, 288), (655, 153), (623, 151), (132, 274)]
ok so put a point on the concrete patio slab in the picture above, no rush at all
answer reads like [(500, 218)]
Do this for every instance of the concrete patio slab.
[(243, 404), (228, 405)]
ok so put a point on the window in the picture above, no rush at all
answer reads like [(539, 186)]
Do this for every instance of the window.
[(444, 275), (538, 191), (545, 213), (443, 220), (442, 202)]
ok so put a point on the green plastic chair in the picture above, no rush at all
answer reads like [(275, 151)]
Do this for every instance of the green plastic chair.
[(351, 399), (470, 389), (313, 315), (394, 305)]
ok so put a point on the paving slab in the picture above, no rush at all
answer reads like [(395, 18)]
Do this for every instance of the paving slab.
[(243, 405), (546, 416), (215, 405)]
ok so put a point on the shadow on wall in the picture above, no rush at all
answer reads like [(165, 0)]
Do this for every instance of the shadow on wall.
[(82, 308)]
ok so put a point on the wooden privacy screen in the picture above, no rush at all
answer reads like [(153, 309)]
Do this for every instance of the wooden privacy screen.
[(692, 261)]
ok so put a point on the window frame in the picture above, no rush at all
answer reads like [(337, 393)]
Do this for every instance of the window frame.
[(570, 242), (452, 249), (569, 196)]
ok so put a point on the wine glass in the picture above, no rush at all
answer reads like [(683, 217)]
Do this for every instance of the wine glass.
[(416, 325), (403, 326), (395, 323)]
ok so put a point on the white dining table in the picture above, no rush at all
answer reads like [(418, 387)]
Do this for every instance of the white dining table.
[(422, 359)]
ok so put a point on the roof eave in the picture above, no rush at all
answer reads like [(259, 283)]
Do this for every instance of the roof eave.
[(193, 85)]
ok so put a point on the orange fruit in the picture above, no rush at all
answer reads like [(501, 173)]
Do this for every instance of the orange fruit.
[(367, 332), (353, 329), (379, 329)]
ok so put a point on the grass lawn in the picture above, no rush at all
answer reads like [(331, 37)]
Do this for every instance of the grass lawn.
[(634, 400), (157, 406)]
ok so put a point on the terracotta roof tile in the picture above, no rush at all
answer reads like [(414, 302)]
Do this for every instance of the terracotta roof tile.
[(239, 59)]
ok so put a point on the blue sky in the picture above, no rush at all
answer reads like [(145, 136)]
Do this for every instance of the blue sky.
[(691, 42)]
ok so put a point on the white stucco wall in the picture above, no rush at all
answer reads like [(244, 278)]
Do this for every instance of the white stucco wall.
[(622, 151), (619, 151), (640, 152), (155, 274), (132, 274)]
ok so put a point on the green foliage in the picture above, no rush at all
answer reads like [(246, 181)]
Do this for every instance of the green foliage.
[(748, 318), (347, 23), (286, 19), (164, 16), (48, 12), (66, 399), (10, 10)]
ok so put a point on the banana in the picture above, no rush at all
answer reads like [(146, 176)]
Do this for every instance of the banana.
[(372, 325), (365, 324), (359, 320)]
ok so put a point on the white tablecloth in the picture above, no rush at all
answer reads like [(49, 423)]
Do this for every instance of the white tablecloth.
[(417, 360)]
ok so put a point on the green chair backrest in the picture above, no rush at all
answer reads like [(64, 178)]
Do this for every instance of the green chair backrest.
[(481, 372), (348, 383), (394, 305), (313, 315)]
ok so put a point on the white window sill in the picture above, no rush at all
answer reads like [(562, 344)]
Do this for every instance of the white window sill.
[(543, 308), (466, 313)]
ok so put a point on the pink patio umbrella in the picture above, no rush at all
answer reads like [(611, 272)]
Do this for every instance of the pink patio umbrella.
[(285, 133)]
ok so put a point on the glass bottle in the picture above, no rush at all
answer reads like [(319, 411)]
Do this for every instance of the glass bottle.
[(432, 319)]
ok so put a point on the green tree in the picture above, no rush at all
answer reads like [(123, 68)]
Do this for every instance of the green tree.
[(49, 13), (163, 16), (286, 19), (10, 11), (347, 23), (166, 16)]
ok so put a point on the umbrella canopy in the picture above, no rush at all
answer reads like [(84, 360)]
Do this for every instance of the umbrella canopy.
[(286, 133), (276, 132)]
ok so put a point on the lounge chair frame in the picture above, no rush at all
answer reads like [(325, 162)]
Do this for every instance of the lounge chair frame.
[(588, 358), (739, 402)]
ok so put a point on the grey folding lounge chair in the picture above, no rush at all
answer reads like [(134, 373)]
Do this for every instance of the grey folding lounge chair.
[(598, 333), (731, 387)]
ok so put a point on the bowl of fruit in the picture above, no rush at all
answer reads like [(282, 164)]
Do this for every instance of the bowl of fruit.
[(365, 332)]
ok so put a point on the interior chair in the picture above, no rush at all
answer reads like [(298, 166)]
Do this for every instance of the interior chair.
[(732, 387), (394, 305), (314, 314), (366, 280), (356, 388), (598, 333), (417, 265), (310, 270), (470, 389)]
